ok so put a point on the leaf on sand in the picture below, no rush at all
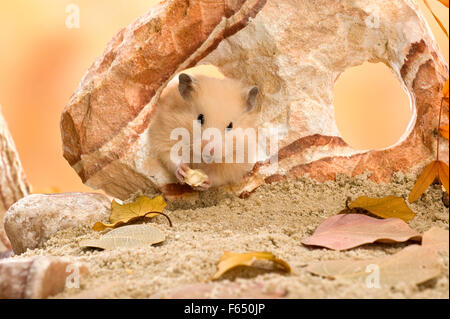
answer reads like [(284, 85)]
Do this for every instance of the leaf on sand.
[(413, 265), (434, 169), (127, 213), (424, 181), (347, 231), (443, 174), (129, 236), (443, 130), (231, 260), (437, 239), (386, 207)]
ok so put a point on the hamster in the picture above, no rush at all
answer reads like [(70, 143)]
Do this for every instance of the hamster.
[(225, 104)]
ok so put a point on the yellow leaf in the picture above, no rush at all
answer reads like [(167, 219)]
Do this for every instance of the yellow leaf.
[(436, 18), (443, 174), (445, 89), (124, 214), (444, 2), (425, 179), (386, 207), (231, 260), (444, 131)]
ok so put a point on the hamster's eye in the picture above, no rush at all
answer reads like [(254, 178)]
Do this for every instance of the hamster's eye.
[(201, 119), (230, 126)]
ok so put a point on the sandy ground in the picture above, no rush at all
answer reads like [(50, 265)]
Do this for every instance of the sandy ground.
[(275, 218)]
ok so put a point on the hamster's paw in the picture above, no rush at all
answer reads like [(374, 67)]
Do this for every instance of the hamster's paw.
[(204, 186), (181, 172)]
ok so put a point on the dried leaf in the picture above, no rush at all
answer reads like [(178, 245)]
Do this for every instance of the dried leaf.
[(231, 260), (425, 179), (443, 174), (414, 264), (436, 18), (195, 177), (437, 239), (129, 236), (347, 231), (386, 207), (127, 213), (443, 130), (445, 89), (444, 2)]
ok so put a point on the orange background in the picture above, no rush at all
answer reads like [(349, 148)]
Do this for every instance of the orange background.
[(42, 61)]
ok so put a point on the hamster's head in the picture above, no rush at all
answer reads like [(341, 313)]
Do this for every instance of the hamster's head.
[(219, 106)]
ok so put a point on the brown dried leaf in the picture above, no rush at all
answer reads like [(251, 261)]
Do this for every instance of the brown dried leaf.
[(127, 213), (347, 231), (414, 264), (425, 179), (386, 207), (443, 174), (444, 2), (129, 236), (443, 130), (231, 260), (445, 89)]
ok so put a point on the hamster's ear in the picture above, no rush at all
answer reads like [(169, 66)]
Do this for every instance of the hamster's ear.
[(251, 99), (185, 85)]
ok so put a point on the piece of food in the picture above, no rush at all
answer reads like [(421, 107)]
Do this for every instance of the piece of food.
[(195, 177)]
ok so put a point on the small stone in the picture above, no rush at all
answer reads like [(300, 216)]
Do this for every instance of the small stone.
[(38, 277), (35, 218)]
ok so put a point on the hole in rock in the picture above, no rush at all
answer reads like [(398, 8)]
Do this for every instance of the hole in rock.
[(204, 69), (372, 109)]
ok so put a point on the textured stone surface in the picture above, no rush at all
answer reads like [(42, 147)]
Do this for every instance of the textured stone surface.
[(293, 50), (37, 277), (13, 184), (6, 253), (35, 218)]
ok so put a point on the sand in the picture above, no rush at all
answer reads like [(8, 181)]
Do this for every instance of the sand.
[(275, 219)]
